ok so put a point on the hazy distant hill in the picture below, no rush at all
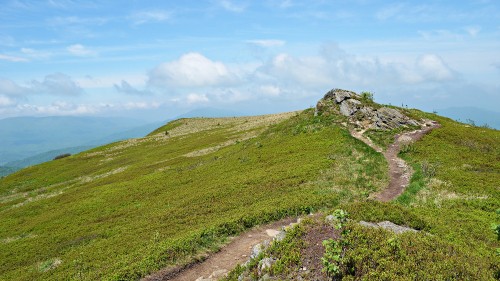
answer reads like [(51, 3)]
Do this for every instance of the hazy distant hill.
[(210, 112), (479, 116), (23, 137), (16, 165)]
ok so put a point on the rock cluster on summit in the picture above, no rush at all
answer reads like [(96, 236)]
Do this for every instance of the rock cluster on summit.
[(365, 114)]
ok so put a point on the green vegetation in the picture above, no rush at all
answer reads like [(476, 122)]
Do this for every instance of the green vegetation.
[(60, 156), (126, 209), (334, 259), (452, 201), (453, 195), (367, 97), (129, 208)]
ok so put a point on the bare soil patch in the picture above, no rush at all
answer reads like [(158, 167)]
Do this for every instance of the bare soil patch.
[(399, 172), (237, 251), (314, 250)]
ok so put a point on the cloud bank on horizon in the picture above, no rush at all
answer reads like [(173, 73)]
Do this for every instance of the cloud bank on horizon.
[(160, 58)]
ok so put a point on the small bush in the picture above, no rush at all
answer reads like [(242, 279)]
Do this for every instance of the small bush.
[(367, 96), (428, 169), (62, 156)]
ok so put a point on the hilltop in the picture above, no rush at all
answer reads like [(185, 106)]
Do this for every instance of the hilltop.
[(127, 209)]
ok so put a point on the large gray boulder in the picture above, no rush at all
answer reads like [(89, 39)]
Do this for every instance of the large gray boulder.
[(359, 111)]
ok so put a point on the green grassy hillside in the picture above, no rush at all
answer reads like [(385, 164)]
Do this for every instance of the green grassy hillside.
[(126, 209), (453, 200)]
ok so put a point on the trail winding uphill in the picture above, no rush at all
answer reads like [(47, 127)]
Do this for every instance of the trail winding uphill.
[(238, 250), (220, 263), (399, 172)]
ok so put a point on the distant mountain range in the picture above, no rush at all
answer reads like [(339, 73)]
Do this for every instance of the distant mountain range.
[(27, 141), (480, 117)]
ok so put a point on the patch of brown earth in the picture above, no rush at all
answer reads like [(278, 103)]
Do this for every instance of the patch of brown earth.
[(237, 251), (312, 267), (399, 172)]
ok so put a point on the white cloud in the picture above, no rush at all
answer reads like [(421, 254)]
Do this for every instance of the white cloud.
[(473, 30), (72, 20), (10, 88), (58, 108), (35, 53), (389, 11), (191, 70), (80, 50), (125, 87), (140, 105), (270, 90), (267, 43), (69, 108), (150, 16), (57, 84), (196, 98), (440, 35), (307, 71), (109, 81), (433, 68), (12, 58), (6, 101), (231, 6)]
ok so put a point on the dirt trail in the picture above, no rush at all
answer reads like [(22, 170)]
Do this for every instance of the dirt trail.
[(238, 250), (399, 172), (218, 264)]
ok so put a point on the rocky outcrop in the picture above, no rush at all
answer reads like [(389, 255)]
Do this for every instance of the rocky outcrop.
[(362, 112), (387, 225)]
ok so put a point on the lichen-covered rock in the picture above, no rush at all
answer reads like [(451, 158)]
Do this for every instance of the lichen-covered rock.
[(388, 226), (350, 106), (359, 112), (265, 264), (257, 249)]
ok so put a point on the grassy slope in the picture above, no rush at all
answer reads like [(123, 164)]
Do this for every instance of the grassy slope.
[(455, 204), (123, 210), (453, 196)]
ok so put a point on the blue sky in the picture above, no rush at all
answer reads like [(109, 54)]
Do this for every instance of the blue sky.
[(157, 59)]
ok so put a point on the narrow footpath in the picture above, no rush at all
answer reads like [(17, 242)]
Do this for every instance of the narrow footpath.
[(399, 172), (237, 251)]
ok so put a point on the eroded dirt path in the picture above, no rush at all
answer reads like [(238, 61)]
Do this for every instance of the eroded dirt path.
[(237, 251), (399, 172)]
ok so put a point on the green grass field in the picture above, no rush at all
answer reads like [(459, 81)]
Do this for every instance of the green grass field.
[(452, 200), (126, 209)]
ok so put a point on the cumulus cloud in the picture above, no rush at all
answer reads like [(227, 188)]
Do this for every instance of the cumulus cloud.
[(307, 71), (125, 87), (270, 90), (6, 101), (12, 58), (150, 16), (80, 50), (58, 108), (57, 84), (194, 98), (70, 108), (10, 88), (191, 70), (433, 68)]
